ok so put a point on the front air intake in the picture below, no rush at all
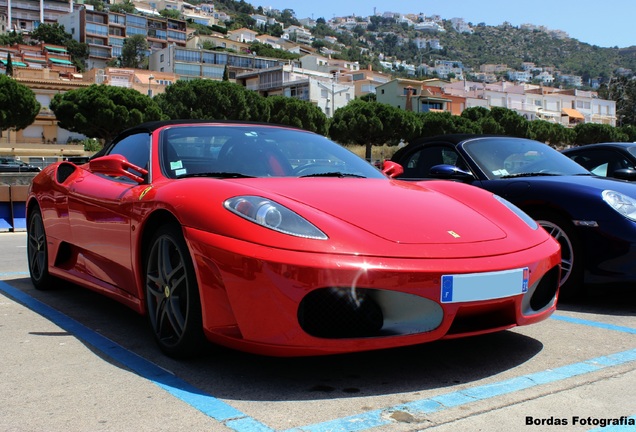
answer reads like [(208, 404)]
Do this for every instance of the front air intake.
[(340, 313)]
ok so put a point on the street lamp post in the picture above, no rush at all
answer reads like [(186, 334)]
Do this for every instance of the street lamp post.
[(150, 78)]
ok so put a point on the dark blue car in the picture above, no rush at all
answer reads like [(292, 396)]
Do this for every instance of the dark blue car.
[(593, 218)]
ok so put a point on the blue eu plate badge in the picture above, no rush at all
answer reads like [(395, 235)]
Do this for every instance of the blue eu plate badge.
[(484, 286)]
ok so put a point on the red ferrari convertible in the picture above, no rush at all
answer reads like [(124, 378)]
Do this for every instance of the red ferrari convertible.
[(278, 241)]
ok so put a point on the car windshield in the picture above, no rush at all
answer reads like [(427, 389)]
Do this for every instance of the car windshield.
[(238, 151), (9, 161), (501, 157)]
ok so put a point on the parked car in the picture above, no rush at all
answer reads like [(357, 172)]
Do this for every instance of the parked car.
[(593, 218), (614, 159), (279, 241), (8, 164)]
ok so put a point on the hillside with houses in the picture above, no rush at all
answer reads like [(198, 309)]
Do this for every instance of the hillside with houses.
[(415, 62)]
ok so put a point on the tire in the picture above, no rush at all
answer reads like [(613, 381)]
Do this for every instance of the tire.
[(571, 285), (37, 252), (172, 295)]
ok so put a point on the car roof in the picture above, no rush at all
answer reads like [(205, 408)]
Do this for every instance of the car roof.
[(454, 139), (154, 125)]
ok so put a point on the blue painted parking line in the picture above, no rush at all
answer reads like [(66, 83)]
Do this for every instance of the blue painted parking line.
[(180, 389), (240, 422), (20, 273), (438, 403), (594, 324)]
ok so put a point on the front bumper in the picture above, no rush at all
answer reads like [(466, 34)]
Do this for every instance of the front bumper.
[(271, 301)]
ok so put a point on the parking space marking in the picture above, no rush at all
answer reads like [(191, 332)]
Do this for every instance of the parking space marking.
[(438, 403), (594, 324), (240, 422), (180, 389)]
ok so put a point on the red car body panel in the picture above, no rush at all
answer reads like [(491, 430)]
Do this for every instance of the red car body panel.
[(383, 236)]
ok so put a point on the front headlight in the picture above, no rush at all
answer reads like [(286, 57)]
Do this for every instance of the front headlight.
[(274, 216), (622, 203), (516, 210)]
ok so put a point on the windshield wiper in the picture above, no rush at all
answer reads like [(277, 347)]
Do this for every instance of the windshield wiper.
[(529, 174), (215, 174), (333, 174)]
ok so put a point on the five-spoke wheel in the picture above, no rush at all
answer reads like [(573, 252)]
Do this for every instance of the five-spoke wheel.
[(37, 251), (172, 295)]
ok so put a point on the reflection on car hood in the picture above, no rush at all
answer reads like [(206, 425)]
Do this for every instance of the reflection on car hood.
[(400, 212)]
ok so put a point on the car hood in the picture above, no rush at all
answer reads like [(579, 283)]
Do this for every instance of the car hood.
[(373, 217), (400, 212), (584, 185)]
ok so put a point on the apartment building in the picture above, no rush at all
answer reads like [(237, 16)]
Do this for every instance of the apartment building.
[(419, 96), (319, 88), (105, 32), (25, 15), (188, 63), (567, 107)]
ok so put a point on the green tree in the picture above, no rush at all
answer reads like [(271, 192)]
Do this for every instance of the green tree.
[(436, 123), (126, 7), (629, 131), (550, 133), (51, 34), (591, 133), (55, 34), (297, 113), (623, 91), (372, 123), (170, 13), (102, 111), (11, 38), (9, 66), (18, 105), (133, 53), (79, 52), (214, 100), (476, 113), (98, 5), (512, 123)]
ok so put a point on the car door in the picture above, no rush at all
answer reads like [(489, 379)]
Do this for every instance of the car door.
[(101, 212), (418, 163), (601, 162)]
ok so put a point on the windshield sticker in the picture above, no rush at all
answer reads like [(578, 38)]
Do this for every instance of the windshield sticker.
[(176, 165), (501, 172), (181, 172)]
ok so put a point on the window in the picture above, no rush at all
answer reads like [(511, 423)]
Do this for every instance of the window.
[(420, 162), (136, 149)]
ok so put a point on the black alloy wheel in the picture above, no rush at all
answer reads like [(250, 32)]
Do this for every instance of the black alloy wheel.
[(37, 251), (172, 295)]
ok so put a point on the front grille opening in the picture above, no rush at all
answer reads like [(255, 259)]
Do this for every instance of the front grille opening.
[(546, 289), (470, 319), (336, 313)]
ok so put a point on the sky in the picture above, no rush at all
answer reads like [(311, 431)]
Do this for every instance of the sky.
[(607, 23)]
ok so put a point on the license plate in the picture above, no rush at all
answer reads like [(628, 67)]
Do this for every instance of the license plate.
[(484, 286)]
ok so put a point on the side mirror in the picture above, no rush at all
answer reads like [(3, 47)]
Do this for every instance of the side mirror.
[(392, 169), (116, 166), (625, 174), (450, 172)]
